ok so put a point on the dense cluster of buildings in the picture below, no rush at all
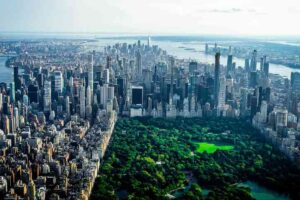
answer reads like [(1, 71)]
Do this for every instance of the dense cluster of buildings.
[(278, 52), (54, 130), (57, 116)]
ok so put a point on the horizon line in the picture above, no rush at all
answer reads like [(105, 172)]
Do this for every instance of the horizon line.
[(148, 34)]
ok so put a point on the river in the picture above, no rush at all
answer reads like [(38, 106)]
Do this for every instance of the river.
[(173, 48), (6, 73)]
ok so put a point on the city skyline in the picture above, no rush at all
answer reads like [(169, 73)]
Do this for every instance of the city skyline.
[(137, 99), (144, 17)]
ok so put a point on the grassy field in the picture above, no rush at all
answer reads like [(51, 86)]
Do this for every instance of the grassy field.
[(211, 148)]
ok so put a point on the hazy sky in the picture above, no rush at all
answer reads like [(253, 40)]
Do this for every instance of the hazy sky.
[(248, 17)]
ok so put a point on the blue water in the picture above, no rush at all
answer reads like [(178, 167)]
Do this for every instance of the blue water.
[(172, 47), (6, 74), (261, 193)]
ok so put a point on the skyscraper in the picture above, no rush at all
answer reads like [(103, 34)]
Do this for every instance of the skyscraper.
[(281, 118), (47, 96), (12, 92), (137, 95), (91, 76), (88, 102), (82, 101), (172, 78), (16, 117), (16, 78), (295, 82), (266, 69), (264, 111), (108, 62), (217, 78), (68, 106), (253, 62), (244, 101), (247, 64), (106, 94), (253, 79), (193, 67), (106, 76), (58, 82), (139, 64), (33, 93), (149, 41), (229, 65), (222, 93)]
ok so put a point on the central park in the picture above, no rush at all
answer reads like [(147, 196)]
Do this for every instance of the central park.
[(193, 158)]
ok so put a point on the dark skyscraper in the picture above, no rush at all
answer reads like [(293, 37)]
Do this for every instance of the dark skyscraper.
[(229, 65), (193, 67), (137, 95), (253, 79), (33, 93), (247, 65), (253, 61), (295, 81), (217, 78), (121, 86), (16, 78), (266, 69)]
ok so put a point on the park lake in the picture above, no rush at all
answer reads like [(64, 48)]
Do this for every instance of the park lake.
[(262, 193)]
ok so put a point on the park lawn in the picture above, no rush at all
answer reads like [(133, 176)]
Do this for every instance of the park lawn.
[(211, 148)]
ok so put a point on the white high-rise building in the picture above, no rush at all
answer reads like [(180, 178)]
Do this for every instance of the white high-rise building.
[(106, 94), (16, 118), (111, 93), (103, 94), (82, 101), (47, 96), (222, 93), (91, 77), (71, 84), (106, 76), (68, 106), (58, 82), (88, 102)]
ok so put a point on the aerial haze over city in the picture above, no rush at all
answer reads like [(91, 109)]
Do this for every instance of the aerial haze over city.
[(149, 100)]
